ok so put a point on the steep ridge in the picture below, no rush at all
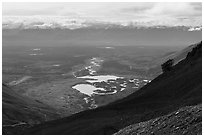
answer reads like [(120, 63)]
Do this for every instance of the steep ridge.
[(176, 56), (170, 91), (19, 112)]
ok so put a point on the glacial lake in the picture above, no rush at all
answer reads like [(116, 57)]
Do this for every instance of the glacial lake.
[(89, 89)]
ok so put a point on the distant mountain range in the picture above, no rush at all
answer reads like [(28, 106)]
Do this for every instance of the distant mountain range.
[(66, 23)]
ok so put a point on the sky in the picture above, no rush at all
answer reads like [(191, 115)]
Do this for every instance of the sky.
[(187, 14)]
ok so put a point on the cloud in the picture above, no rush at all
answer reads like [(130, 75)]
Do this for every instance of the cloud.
[(197, 6), (139, 8), (168, 14), (195, 29)]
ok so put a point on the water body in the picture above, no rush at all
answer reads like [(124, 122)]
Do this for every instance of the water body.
[(86, 89), (37, 49), (56, 65), (89, 89), (99, 78), (16, 82)]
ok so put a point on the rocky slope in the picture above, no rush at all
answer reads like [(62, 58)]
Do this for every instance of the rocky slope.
[(187, 120)]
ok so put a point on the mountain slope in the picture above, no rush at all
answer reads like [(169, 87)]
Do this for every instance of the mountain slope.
[(180, 87), (19, 111), (187, 120), (177, 56)]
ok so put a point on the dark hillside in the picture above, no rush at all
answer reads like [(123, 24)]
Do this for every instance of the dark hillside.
[(177, 56), (19, 111), (170, 91), (185, 121)]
